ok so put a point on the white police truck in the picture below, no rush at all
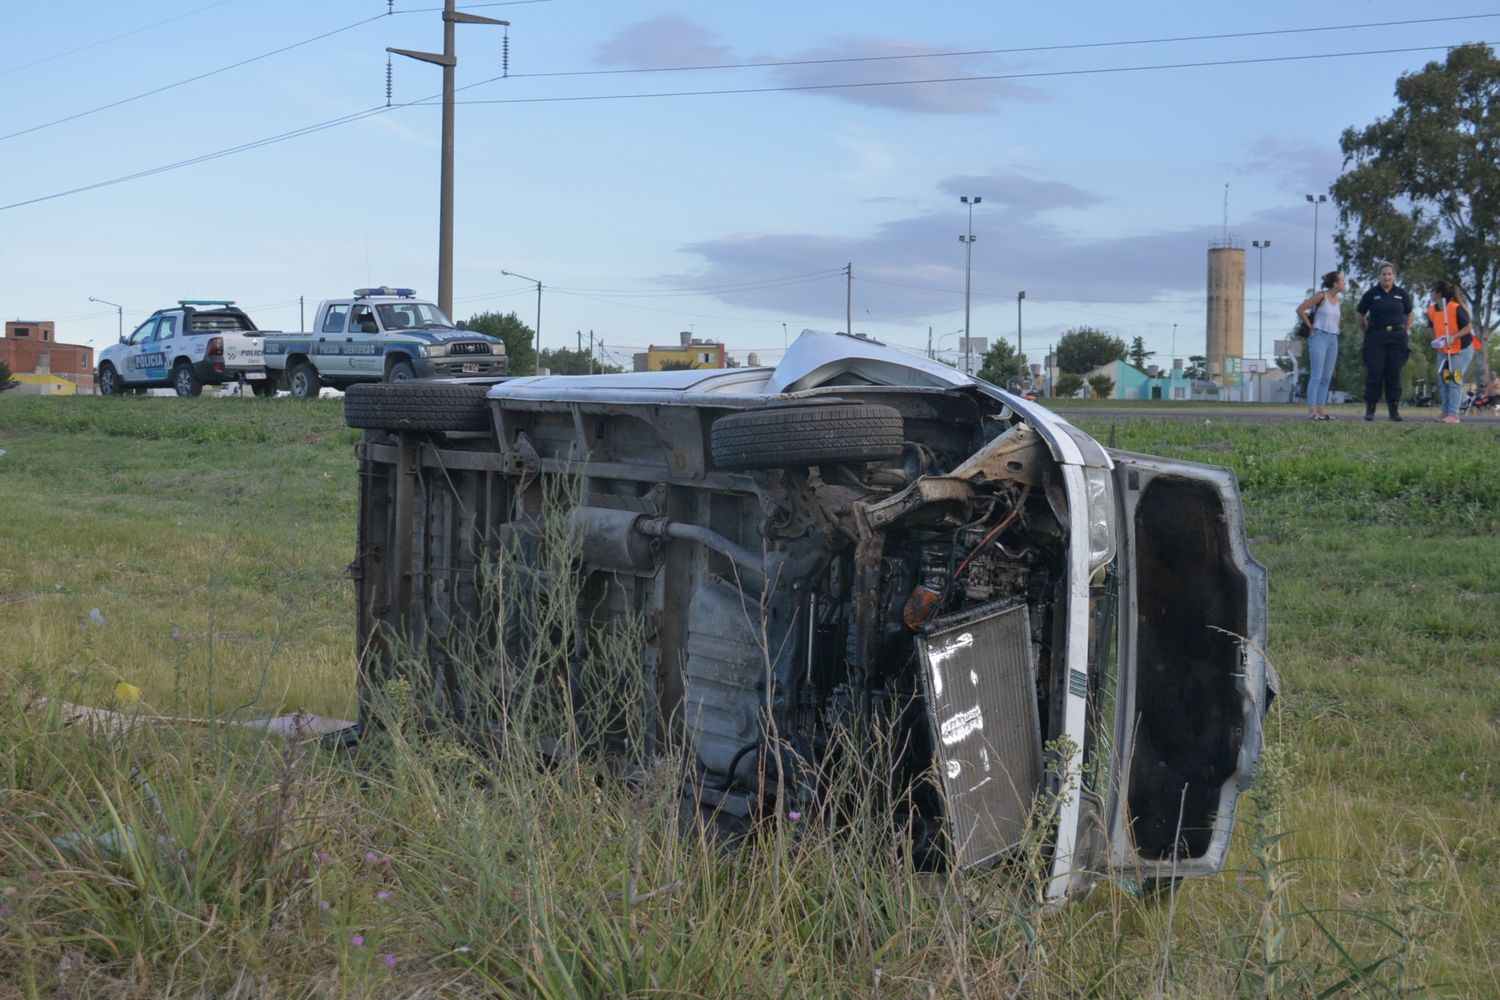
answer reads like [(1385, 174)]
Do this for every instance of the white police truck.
[(195, 343), (381, 334)]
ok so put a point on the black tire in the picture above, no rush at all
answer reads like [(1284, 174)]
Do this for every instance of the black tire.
[(110, 383), (400, 371), (185, 381), (807, 434), (264, 387), (303, 380), (417, 406)]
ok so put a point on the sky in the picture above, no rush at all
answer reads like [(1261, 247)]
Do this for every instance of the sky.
[(713, 168)]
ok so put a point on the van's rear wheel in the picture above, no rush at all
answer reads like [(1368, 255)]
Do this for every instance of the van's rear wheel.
[(417, 406), (807, 434), (264, 387)]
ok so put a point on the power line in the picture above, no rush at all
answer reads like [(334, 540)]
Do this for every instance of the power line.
[(356, 116), (113, 38), (243, 147), (192, 79), (1039, 74), (1020, 50)]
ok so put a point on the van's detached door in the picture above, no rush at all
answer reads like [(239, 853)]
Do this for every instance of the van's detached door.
[(1193, 683)]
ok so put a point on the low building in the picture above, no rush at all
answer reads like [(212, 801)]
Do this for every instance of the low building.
[(690, 353), (1153, 383), (31, 348), (43, 385)]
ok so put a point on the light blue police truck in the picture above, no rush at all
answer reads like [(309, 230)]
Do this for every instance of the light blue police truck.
[(380, 334)]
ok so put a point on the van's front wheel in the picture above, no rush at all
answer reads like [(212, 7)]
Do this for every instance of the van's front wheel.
[(401, 371)]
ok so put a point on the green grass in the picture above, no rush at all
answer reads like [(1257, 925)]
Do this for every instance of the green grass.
[(197, 861)]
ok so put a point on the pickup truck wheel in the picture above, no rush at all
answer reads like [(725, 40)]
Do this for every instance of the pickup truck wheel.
[(109, 381), (185, 382), (806, 434), (417, 406), (263, 387), (303, 381), (401, 371)]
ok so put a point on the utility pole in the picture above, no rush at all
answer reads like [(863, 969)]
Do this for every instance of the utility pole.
[(968, 242), (538, 331), (1020, 354), (849, 298), (929, 343), (449, 61), (1321, 199), (119, 316)]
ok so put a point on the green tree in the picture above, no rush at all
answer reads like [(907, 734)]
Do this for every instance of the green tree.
[(1068, 384), (1197, 368), (1001, 363), (6, 381), (565, 362), (1084, 348), (1421, 187), (519, 339), (1102, 385), (1138, 355)]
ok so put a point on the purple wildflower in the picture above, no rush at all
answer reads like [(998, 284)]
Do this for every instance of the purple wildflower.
[(383, 894), (177, 635), (357, 940), (794, 815), (324, 905), (390, 961)]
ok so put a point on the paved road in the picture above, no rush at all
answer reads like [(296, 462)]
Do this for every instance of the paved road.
[(1270, 413)]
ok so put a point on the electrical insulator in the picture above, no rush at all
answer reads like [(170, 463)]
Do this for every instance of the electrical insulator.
[(387, 80), (505, 54)]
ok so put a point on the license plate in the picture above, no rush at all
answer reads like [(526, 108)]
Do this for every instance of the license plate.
[(469, 369), (255, 375)]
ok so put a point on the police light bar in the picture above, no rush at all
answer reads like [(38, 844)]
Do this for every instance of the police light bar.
[(205, 302), (365, 293)]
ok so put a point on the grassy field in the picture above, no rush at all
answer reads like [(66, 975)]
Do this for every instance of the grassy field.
[(196, 549)]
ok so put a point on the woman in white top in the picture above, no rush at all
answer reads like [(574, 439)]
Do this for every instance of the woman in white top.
[(1320, 318)]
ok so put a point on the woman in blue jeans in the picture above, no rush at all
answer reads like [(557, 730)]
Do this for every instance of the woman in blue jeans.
[(1320, 318)]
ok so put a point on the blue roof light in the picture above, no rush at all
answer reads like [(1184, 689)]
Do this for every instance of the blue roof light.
[(365, 293)]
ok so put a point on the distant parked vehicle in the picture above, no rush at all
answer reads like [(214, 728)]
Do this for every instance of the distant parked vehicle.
[(379, 335), (195, 343)]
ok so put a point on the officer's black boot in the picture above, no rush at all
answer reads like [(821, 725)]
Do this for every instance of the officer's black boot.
[(1394, 414), (1369, 411)]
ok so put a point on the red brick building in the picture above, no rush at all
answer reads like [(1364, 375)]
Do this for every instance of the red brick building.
[(31, 348)]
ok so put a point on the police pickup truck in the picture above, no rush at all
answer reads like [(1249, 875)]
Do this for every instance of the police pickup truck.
[(381, 334), (195, 343)]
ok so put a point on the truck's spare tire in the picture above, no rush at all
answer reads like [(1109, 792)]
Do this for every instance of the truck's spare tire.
[(416, 406), (807, 434)]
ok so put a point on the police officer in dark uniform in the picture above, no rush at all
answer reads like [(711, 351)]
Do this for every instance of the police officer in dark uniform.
[(1384, 315)]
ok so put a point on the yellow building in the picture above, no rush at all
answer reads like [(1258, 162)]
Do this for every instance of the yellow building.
[(688, 354)]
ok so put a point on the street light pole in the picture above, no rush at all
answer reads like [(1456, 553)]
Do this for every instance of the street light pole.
[(538, 331), (1260, 311), (1319, 200), (1020, 354), (968, 242), (448, 60), (119, 315)]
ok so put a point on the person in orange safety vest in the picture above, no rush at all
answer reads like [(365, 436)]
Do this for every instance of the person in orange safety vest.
[(1455, 342)]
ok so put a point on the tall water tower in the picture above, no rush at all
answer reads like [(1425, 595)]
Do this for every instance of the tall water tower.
[(1226, 308)]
